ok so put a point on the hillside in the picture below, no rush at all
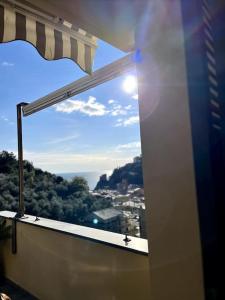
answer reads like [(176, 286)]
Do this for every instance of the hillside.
[(131, 172), (46, 195), (91, 177)]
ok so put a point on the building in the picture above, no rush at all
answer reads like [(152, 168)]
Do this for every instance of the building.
[(138, 192), (109, 219)]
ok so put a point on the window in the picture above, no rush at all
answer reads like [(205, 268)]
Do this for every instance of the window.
[(83, 160)]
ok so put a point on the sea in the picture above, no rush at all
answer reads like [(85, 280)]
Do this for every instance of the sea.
[(91, 177)]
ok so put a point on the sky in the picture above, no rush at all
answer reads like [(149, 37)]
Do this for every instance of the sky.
[(93, 131)]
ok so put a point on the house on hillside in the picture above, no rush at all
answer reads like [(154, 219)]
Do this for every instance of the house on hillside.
[(109, 219)]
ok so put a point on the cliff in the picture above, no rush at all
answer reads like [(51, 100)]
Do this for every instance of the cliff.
[(130, 173)]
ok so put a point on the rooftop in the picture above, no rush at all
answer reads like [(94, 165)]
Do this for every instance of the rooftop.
[(107, 214)]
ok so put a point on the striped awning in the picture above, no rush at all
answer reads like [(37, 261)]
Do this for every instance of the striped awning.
[(54, 39)]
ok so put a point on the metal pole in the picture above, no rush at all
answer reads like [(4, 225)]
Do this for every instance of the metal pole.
[(21, 209), (14, 237)]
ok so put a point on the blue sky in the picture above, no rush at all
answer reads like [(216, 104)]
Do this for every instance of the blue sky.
[(94, 131)]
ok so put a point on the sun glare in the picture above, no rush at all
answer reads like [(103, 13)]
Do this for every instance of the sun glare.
[(130, 84)]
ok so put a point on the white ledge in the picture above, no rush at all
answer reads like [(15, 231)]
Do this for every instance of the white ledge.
[(96, 235)]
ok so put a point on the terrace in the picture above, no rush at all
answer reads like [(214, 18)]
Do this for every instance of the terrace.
[(182, 152), (56, 259)]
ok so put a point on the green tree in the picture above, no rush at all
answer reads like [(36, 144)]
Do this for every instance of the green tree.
[(78, 184), (46, 195)]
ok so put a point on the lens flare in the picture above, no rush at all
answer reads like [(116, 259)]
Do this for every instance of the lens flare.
[(95, 221), (130, 84)]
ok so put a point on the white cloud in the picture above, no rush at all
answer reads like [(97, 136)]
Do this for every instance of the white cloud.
[(128, 107), (90, 107), (64, 139), (94, 108), (133, 146), (118, 110), (111, 101), (127, 122), (58, 162), (135, 97), (5, 119), (131, 121), (7, 64)]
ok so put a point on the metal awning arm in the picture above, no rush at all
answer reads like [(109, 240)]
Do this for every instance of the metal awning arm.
[(100, 76)]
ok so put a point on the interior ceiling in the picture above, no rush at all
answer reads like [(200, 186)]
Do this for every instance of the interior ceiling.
[(113, 21)]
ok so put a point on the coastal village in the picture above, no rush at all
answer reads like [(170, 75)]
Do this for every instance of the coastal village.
[(127, 215)]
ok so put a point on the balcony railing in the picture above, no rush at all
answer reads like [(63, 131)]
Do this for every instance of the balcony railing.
[(57, 260)]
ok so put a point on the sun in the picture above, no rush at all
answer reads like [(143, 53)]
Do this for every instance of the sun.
[(130, 84)]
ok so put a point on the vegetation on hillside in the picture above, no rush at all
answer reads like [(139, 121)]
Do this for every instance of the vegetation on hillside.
[(46, 195), (131, 172)]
